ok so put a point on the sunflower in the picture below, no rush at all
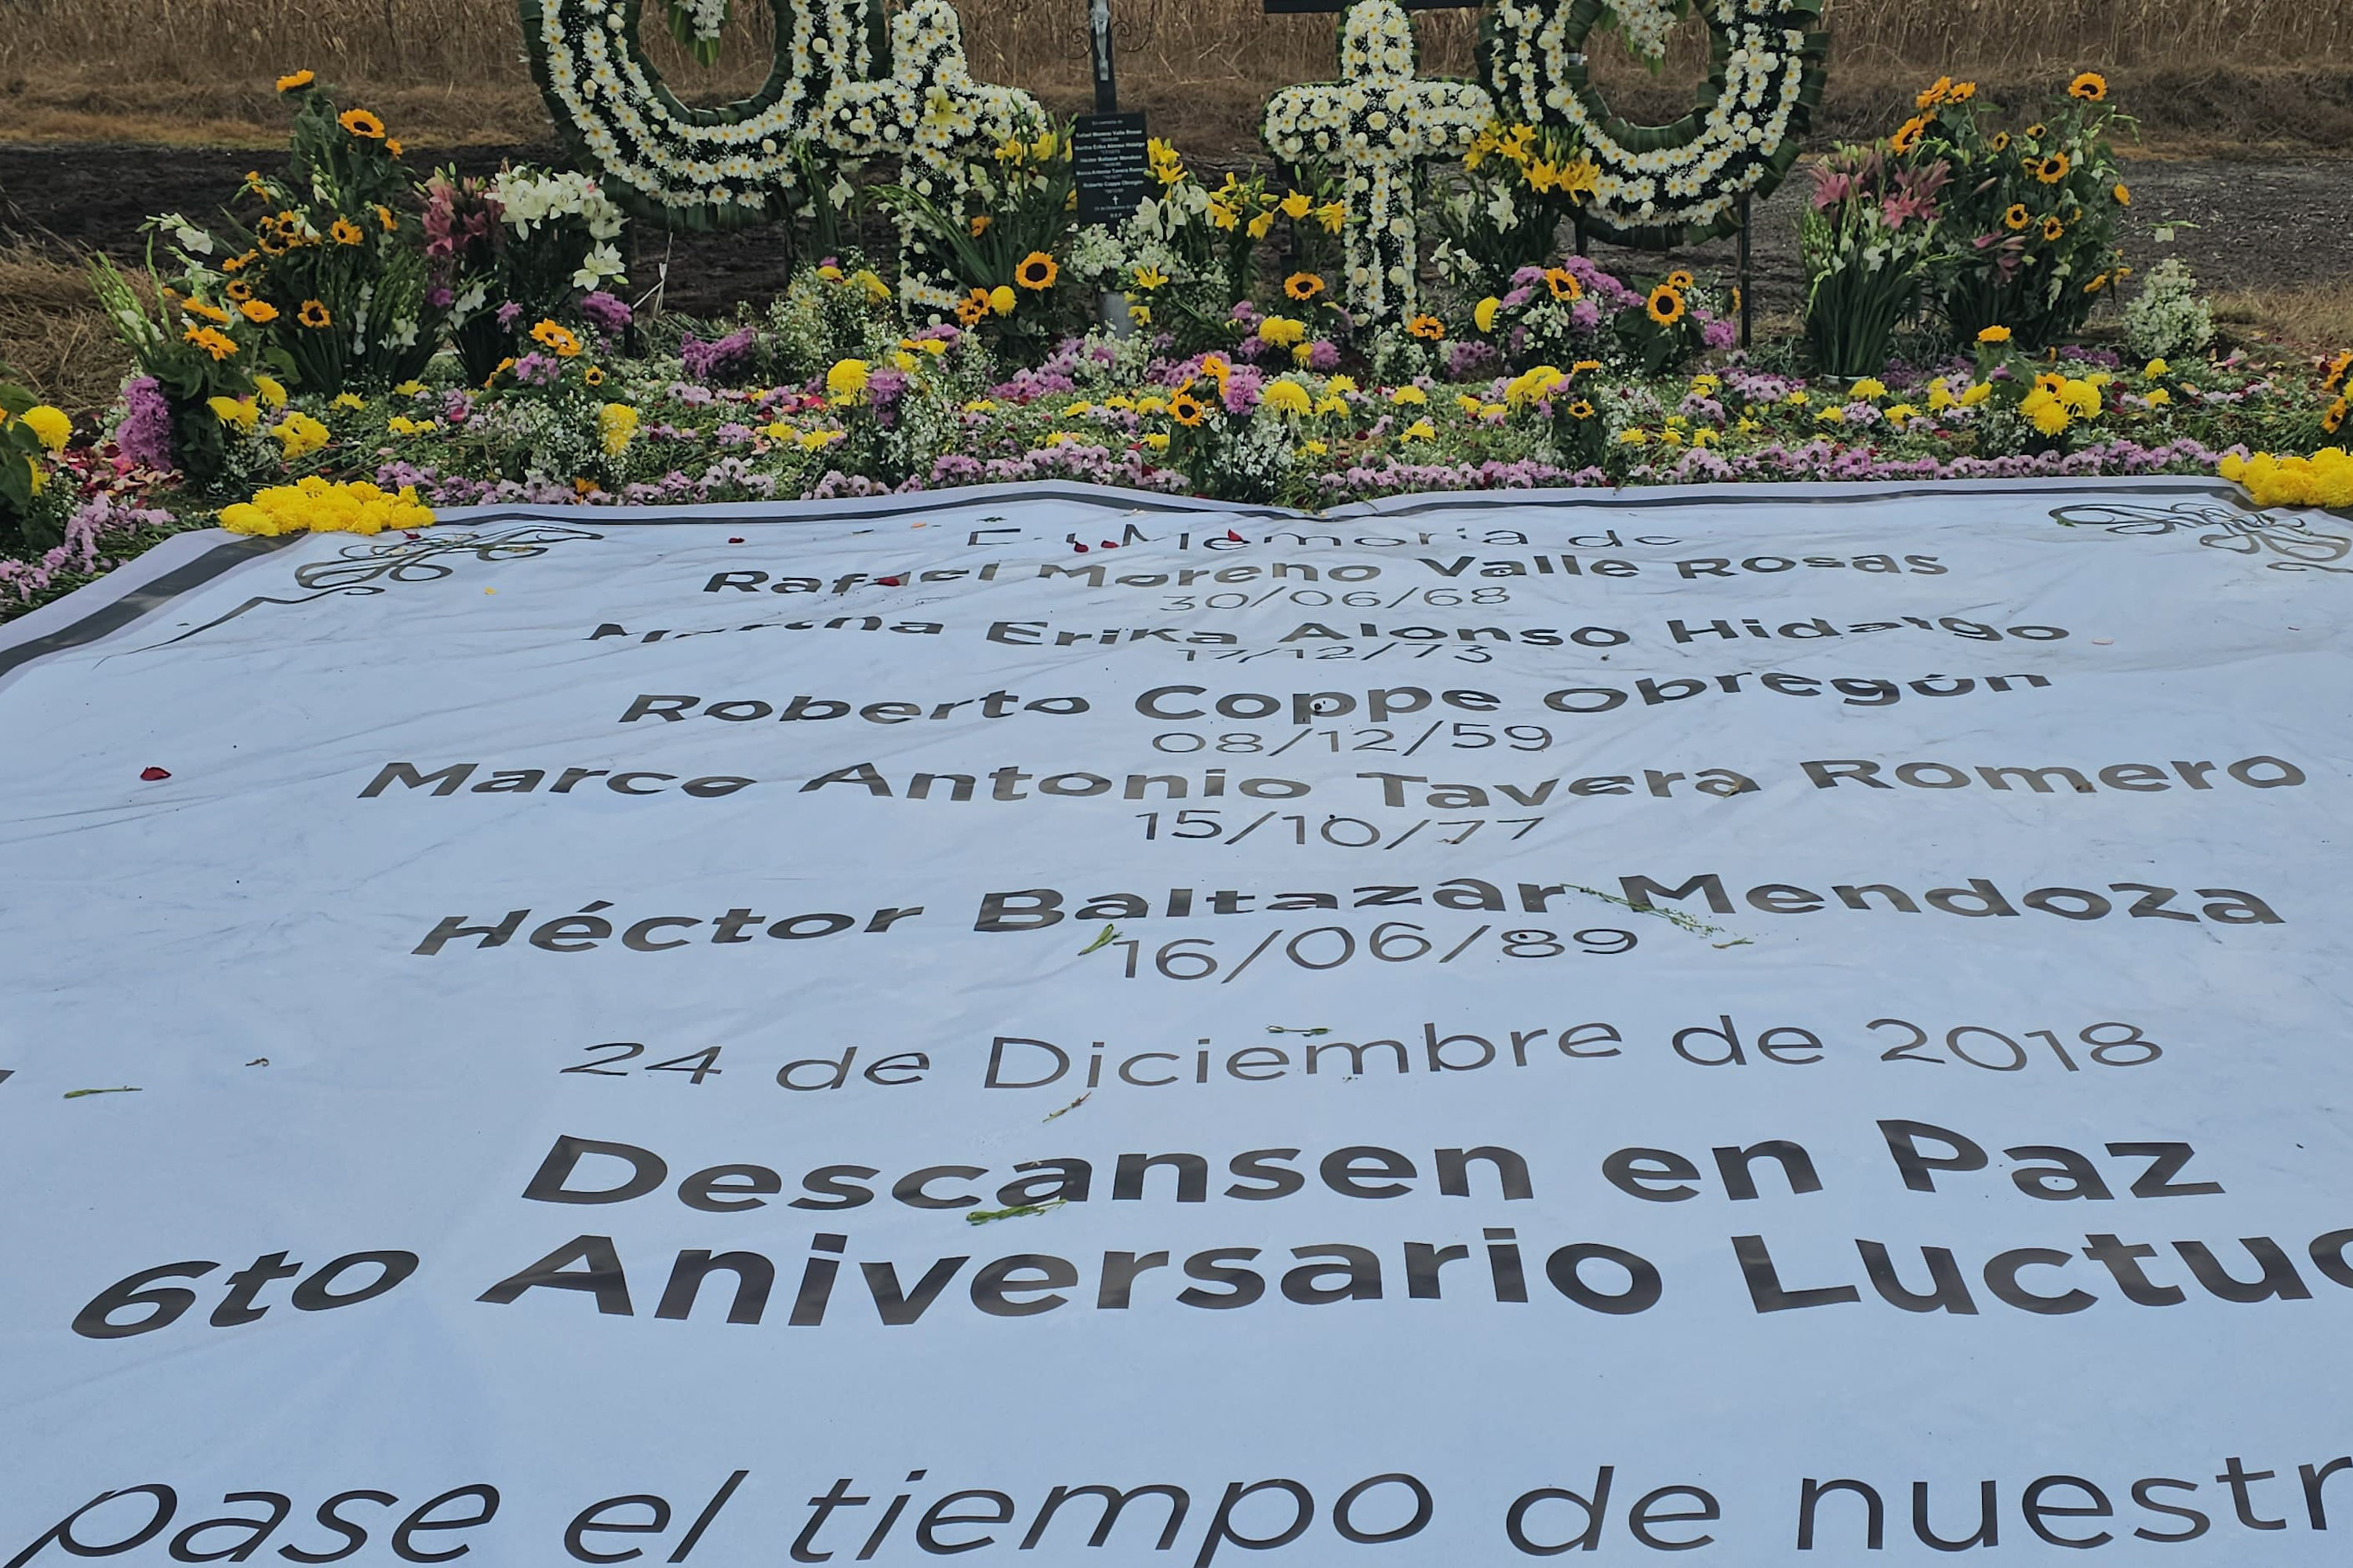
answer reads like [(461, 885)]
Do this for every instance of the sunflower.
[(2050, 381), (2017, 217), (2053, 169), (237, 263), (392, 145), (1665, 305), (1302, 285), (343, 231), (2035, 131), (1037, 273), (979, 225), (1562, 284), (1186, 409), (2053, 228), (383, 216), (297, 80), (360, 122), (2337, 369), (204, 311), (1680, 281), (1907, 135), (2334, 420), (2091, 87), (550, 335), (1580, 409), (261, 312), (593, 377), (2001, 141), (2096, 284), (239, 291), (1429, 329), (1935, 93), (973, 309), (314, 314)]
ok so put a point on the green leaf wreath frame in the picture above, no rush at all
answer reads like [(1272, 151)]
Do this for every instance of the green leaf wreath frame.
[(1536, 70)]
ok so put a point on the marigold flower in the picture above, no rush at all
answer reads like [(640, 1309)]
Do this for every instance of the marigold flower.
[(51, 426), (1665, 306), (261, 312), (295, 81), (314, 316), (1994, 334), (1302, 285), (2091, 87), (1037, 273), (361, 124), (1001, 298), (616, 423), (2123, 194), (300, 435), (1429, 329)]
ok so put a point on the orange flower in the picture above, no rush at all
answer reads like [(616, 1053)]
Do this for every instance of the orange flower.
[(1665, 305), (548, 335), (1302, 285), (1907, 135), (212, 314), (2091, 87), (392, 145), (1563, 284), (1037, 273), (343, 231), (297, 81), (383, 216), (979, 225), (314, 314), (973, 309), (214, 342), (1186, 409), (1429, 329), (261, 312), (360, 122)]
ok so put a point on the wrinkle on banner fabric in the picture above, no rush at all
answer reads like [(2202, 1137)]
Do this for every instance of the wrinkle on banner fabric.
[(1062, 1027)]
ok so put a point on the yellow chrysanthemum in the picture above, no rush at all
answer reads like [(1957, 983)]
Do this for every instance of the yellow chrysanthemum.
[(317, 506), (300, 435), (51, 426), (847, 379), (1993, 335), (616, 423)]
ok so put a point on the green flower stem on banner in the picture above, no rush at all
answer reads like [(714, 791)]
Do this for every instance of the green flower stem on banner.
[(1665, 185)]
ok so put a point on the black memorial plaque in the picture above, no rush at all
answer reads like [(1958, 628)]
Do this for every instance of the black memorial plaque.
[(1109, 164)]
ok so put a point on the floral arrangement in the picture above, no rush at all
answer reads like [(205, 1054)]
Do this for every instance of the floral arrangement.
[(2037, 206), (1868, 237), (1377, 122), (1521, 183), (33, 509), (1679, 184), (313, 505)]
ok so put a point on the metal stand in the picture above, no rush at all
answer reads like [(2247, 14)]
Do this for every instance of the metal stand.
[(1744, 287)]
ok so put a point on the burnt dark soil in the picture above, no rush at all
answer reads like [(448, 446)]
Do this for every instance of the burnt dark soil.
[(2240, 224)]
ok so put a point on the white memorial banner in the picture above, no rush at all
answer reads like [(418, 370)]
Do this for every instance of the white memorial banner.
[(1062, 1027)]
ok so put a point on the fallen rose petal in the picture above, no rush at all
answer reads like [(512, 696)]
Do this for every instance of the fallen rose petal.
[(1081, 549), (1237, 538), (735, 541), (1108, 544), (888, 582), (151, 774)]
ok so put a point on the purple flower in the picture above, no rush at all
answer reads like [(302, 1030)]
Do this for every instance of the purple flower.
[(607, 314), (722, 360), (510, 313), (144, 435), (1324, 356), (441, 297)]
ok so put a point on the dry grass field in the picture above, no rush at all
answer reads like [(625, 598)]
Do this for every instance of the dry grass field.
[(2277, 72)]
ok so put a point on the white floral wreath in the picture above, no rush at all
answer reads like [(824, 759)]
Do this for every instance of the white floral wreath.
[(1665, 185), (1377, 122), (705, 168)]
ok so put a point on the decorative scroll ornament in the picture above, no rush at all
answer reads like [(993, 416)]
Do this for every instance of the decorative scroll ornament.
[(734, 163), (1666, 185), (1375, 124), (2258, 535)]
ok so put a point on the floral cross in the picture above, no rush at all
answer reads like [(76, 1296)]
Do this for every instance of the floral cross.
[(1377, 122), (929, 113)]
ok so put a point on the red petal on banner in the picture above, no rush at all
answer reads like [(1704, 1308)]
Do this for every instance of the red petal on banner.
[(1237, 538), (1081, 549), (151, 774), (1109, 545), (888, 582), (735, 541)]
